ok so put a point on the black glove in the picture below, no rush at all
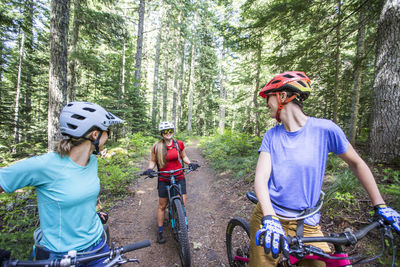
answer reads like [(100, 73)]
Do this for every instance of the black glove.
[(4, 255), (103, 217), (193, 166), (148, 172)]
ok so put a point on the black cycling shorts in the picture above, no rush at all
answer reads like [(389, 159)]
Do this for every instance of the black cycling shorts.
[(162, 187)]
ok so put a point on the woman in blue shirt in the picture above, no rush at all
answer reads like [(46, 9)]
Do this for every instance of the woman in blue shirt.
[(290, 170), (67, 182)]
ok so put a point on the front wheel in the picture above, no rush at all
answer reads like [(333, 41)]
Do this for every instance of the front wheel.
[(181, 232), (238, 242)]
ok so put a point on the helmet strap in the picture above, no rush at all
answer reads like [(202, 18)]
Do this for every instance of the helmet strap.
[(96, 143), (280, 104)]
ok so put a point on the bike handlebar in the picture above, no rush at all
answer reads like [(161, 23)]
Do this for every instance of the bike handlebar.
[(70, 261), (154, 174), (345, 238), (135, 246)]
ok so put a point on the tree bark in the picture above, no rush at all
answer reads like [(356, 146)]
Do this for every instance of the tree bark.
[(59, 19), (222, 95), (166, 70), (385, 119), (154, 106), (72, 48), (18, 90), (139, 44), (358, 67), (337, 69), (257, 89), (191, 85), (181, 77), (175, 89)]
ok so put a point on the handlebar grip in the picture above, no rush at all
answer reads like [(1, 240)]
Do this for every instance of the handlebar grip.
[(138, 245)]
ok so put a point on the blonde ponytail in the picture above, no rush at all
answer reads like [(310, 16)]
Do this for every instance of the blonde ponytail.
[(161, 153), (64, 146)]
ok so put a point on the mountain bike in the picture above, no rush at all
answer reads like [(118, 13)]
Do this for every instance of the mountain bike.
[(114, 257), (177, 214), (238, 244)]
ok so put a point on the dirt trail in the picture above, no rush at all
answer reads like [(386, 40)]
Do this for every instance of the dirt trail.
[(211, 202)]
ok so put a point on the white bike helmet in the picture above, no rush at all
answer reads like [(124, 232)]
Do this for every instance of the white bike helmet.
[(77, 118), (165, 125)]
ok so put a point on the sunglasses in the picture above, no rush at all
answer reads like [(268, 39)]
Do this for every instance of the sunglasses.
[(167, 131)]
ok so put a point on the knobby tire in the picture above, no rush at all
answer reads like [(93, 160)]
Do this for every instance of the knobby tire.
[(238, 241), (182, 232)]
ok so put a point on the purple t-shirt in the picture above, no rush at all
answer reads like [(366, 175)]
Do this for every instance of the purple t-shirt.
[(299, 162)]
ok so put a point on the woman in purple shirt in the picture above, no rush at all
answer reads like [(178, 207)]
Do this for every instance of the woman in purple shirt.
[(290, 170)]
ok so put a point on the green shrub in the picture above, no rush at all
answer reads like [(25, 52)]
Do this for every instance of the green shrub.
[(232, 151)]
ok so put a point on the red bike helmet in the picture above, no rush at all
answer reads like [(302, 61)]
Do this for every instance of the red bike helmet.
[(290, 81)]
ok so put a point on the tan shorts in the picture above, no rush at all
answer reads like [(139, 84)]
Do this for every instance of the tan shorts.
[(257, 255)]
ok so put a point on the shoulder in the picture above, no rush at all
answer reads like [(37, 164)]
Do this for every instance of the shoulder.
[(276, 129), (324, 124)]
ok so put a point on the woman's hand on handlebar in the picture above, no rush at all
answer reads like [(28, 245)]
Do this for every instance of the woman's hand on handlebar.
[(149, 172), (389, 215), (193, 166)]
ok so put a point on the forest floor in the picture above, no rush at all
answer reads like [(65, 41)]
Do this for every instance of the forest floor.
[(212, 200)]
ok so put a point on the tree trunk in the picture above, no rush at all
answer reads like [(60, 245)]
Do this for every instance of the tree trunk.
[(358, 67), (181, 77), (175, 89), (337, 69), (222, 95), (18, 90), (72, 48), (59, 19), (385, 119), (191, 85), (154, 107), (139, 44), (257, 89), (165, 90), (28, 47)]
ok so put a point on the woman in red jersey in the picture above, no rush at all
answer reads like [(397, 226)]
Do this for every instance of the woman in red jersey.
[(167, 154)]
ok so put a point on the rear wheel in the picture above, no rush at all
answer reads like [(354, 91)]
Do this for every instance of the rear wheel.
[(238, 242), (181, 232)]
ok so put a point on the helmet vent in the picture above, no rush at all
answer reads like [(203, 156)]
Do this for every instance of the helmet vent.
[(71, 126), (302, 84), (109, 116), (276, 81), (301, 75), (309, 85), (288, 76), (89, 109), (78, 117)]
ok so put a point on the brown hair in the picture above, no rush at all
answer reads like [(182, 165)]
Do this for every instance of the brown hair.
[(64, 146), (298, 101), (161, 152)]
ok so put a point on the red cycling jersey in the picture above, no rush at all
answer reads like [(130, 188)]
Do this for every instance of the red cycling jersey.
[(173, 162)]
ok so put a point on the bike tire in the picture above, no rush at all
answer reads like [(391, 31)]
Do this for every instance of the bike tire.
[(238, 242), (182, 232)]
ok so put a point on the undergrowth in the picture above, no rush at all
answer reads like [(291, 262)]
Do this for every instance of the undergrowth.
[(232, 152)]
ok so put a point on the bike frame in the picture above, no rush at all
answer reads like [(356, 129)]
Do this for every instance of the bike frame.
[(174, 192)]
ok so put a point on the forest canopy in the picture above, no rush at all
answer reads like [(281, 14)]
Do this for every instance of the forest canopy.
[(199, 64)]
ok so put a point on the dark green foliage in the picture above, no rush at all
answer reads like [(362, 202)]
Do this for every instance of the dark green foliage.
[(18, 220), (233, 152)]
